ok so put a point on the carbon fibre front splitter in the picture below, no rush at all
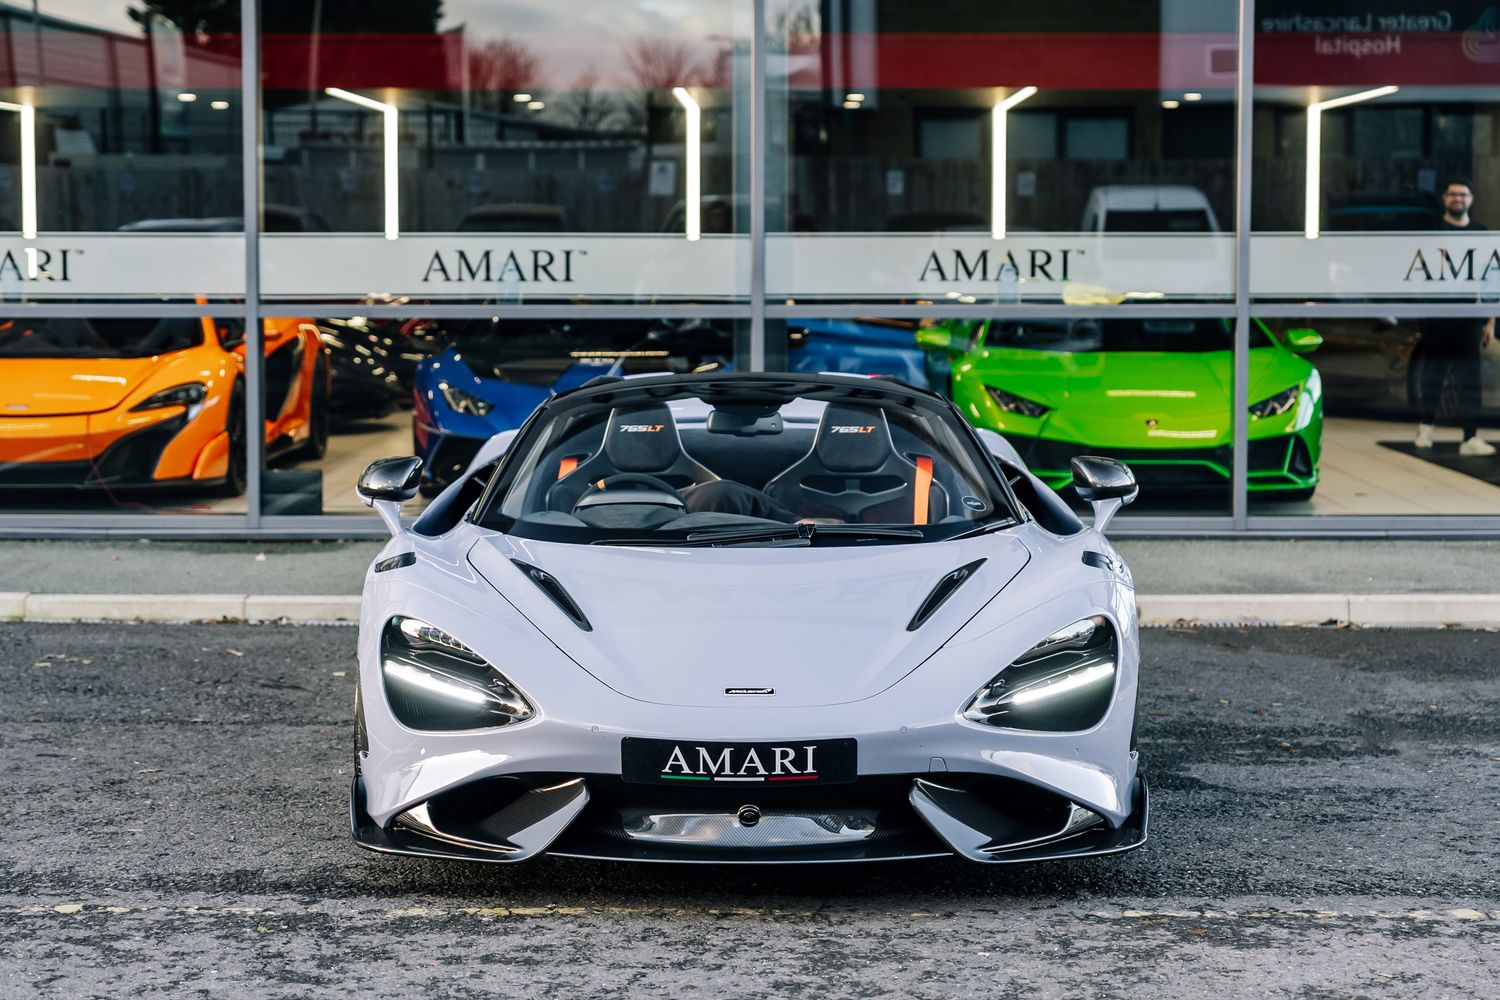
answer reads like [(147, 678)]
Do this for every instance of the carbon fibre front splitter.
[(976, 830)]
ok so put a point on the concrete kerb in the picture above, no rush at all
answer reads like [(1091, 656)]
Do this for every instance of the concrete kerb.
[(1371, 610)]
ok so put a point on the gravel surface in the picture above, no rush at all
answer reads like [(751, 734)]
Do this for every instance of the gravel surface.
[(1325, 822)]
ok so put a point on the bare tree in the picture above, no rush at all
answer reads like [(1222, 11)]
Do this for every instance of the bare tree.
[(661, 64), (500, 69), (795, 28), (585, 107)]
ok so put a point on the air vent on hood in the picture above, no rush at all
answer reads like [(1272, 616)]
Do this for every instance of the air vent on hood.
[(944, 590), (548, 585)]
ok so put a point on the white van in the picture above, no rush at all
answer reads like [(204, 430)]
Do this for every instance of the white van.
[(1148, 208)]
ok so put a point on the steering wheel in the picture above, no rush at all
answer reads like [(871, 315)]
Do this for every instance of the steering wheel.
[(630, 487)]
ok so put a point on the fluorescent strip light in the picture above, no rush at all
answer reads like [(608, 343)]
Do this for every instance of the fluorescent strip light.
[(997, 159), (1312, 193), (28, 167), (392, 134), (694, 196)]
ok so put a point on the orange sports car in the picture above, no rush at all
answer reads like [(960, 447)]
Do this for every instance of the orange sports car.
[(151, 402)]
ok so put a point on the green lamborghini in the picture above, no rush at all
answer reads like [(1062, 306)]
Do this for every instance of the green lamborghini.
[(1154, 393)]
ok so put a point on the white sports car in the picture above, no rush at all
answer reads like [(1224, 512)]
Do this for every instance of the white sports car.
[(748, 618)]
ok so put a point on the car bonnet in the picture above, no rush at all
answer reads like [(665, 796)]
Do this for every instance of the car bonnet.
[(684, 626)]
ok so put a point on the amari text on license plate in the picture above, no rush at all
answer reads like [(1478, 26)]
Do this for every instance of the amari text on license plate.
[(688, 762)]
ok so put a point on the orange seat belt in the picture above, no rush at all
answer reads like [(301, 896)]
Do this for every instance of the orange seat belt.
[(566, 467), (922, 501)]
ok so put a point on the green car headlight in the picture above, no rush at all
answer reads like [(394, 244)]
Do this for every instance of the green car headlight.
[(1011, 403), (465, 402), (1275, 406), (1062, 684), (436, 683)]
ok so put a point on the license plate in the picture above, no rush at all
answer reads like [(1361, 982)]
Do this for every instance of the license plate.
[(689, 762)]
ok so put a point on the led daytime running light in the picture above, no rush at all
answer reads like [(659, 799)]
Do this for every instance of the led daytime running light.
[(1275, 406), (1069, 682), (465, 402), (434, 684)]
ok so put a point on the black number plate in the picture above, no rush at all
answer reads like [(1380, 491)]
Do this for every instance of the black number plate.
[(689, 762)]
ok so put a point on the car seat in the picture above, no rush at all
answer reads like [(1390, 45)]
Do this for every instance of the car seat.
[(854, 473), (641, 439)]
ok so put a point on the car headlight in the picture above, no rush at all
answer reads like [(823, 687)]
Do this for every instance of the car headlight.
[(435, 682), (1275, 406), (1011, 403), (465, 402), (1062, 684), (190, 395)]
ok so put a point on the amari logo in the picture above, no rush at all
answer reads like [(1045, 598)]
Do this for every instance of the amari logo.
[(1448, 266), (551, 266), (1034, 264), (36, 264)]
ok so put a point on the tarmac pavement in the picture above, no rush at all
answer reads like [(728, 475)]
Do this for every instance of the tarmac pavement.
[(1325, 808)]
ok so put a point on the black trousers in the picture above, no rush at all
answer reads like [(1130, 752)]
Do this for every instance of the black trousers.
[(1448, 354)]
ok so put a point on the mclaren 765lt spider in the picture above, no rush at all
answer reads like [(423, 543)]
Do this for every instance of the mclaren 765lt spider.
[(127, 403), (747, 617)]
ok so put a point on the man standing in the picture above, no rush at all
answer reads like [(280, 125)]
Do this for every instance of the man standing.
[(1449, 349)]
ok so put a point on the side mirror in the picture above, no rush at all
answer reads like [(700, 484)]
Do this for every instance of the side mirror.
[(388, 483), (1106, 484), (935, 338), (1303, 340)]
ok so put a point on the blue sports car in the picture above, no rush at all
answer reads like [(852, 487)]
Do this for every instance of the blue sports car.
[(493, 374)]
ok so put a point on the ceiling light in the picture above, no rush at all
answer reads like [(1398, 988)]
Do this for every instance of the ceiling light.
[(852, 105), (521, 98), (536, 105), (856, 98), (1192, 95), (219, 105), (187, 98), (1169, 105)]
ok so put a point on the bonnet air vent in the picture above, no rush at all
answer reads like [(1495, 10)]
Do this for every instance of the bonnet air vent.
[(548, 585), (944, 590)]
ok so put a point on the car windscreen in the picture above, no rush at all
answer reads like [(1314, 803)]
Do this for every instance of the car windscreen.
[(541, 354), (744, 464), (66, 337), (1079, 335), (1158, 220)]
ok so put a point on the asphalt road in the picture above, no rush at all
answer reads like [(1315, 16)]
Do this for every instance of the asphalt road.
[(1325, 824)]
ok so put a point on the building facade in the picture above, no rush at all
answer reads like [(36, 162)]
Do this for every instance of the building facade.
[(248, 247)]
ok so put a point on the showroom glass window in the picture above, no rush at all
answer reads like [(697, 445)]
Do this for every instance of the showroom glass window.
[(120, 184), (1078, 151), (120, 151), (499, 151), (1375, 181)]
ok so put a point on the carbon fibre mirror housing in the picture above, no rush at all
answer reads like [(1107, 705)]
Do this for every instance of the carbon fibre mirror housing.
[(1098, 479), (386, 484), (390, 479), (1106, 484)]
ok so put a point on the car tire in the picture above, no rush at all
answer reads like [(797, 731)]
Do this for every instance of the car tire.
[(237, 467), (319, 417)]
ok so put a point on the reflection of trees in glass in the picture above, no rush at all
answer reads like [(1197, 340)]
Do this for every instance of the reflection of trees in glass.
[(202, 17), (795, 28), (584, 107), (500, 69), (661, 64)]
